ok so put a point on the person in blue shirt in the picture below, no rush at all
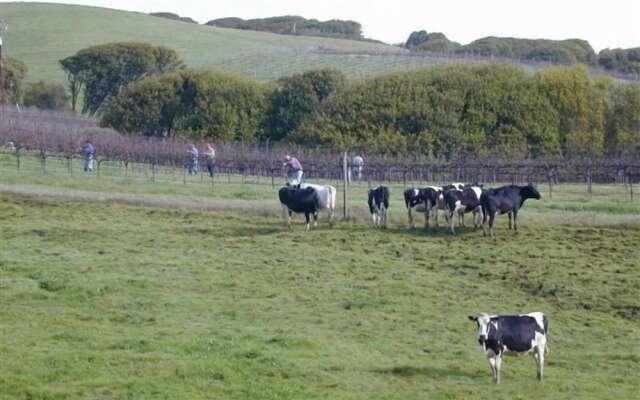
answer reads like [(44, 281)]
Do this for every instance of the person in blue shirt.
[(192, 167), (88, 151)]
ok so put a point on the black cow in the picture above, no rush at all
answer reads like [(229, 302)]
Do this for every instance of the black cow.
[(422, 200), (505, 200), (513, 334), (379, 206), (295, 199), (461, 202)]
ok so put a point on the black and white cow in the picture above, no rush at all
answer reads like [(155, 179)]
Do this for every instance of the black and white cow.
[(428, 200), (463, 201), (513, 334), (297, 200), (379, 206), (505, 200), (422, 200)]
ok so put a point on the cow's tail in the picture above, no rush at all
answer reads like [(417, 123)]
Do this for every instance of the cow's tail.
[(545, 322), (331, 204)]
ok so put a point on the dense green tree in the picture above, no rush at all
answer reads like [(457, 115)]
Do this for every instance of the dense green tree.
[(558, 51), (444, 112), (102, 70), (294, 25), (434, 42), (192, 104), (173, 16), (580, 103), (298, 96), (622, 60), (622, 128), (46, 96), (14, 73)]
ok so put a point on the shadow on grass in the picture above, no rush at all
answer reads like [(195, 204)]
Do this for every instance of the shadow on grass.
[(424, 371), (440, 232)]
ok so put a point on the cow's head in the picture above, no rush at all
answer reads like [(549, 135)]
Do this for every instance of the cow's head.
[(531, 192), (482, 321)]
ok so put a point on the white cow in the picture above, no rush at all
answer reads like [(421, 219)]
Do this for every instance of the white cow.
[(327, 196)]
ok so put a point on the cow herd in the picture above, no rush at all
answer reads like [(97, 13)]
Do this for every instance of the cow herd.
[(498, 335), (455, 200), (458, 199)]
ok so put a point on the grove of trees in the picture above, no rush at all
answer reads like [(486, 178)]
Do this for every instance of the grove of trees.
[(46, 96), (568, 51), (14, 73), (623, 60), (294, 25), (191, 104), (99, 72), (443, 112), (557, 51)]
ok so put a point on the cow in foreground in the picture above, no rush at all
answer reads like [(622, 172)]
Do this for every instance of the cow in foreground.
[(513, 334), (505, 200), (295, 199), (326, 199), (459, 202), (379, 206)]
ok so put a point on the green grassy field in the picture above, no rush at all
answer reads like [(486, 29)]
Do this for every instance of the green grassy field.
[(107, 300), (40, 34)]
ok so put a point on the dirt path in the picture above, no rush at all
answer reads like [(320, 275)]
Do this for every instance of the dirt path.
[(179, 202)]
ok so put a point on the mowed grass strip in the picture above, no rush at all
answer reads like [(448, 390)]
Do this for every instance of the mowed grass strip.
[(113, 301)]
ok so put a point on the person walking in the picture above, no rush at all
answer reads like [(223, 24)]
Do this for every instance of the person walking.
[(294, 170), (88, 151), (210, 153), (357, 163), (192, 167)]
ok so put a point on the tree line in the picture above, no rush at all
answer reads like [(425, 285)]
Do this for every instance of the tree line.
[(444, 112), (568, 51), (294, 25)]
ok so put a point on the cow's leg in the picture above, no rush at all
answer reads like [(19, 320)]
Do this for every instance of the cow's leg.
[(485, 222), (435, 214), (478, 218), (492, 224), (510, 214), (384, 217), (539, 355), (492, 364), (498, 366), (315, 219), (307, 220), (450, 221), (410, 212), (515, 220), (286, 218), (374, 216), (427, 214)]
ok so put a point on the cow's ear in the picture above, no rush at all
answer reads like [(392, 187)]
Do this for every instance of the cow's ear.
[(473, 318)]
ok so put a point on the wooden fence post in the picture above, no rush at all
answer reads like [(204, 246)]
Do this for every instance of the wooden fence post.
[(344, 185)]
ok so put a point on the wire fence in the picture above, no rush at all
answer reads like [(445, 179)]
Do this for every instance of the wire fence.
[(417, 174)]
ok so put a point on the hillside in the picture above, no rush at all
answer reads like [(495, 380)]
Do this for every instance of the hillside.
[(40, 34)]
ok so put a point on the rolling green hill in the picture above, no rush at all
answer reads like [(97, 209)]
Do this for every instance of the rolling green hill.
[(40, 34)]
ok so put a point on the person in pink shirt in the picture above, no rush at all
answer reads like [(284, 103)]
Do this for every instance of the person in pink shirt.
[(294, 170)]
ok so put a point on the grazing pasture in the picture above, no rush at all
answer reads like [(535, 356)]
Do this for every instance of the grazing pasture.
[(107, 300)]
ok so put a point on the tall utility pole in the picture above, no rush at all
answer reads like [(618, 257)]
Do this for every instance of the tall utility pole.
[(3, 28)]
